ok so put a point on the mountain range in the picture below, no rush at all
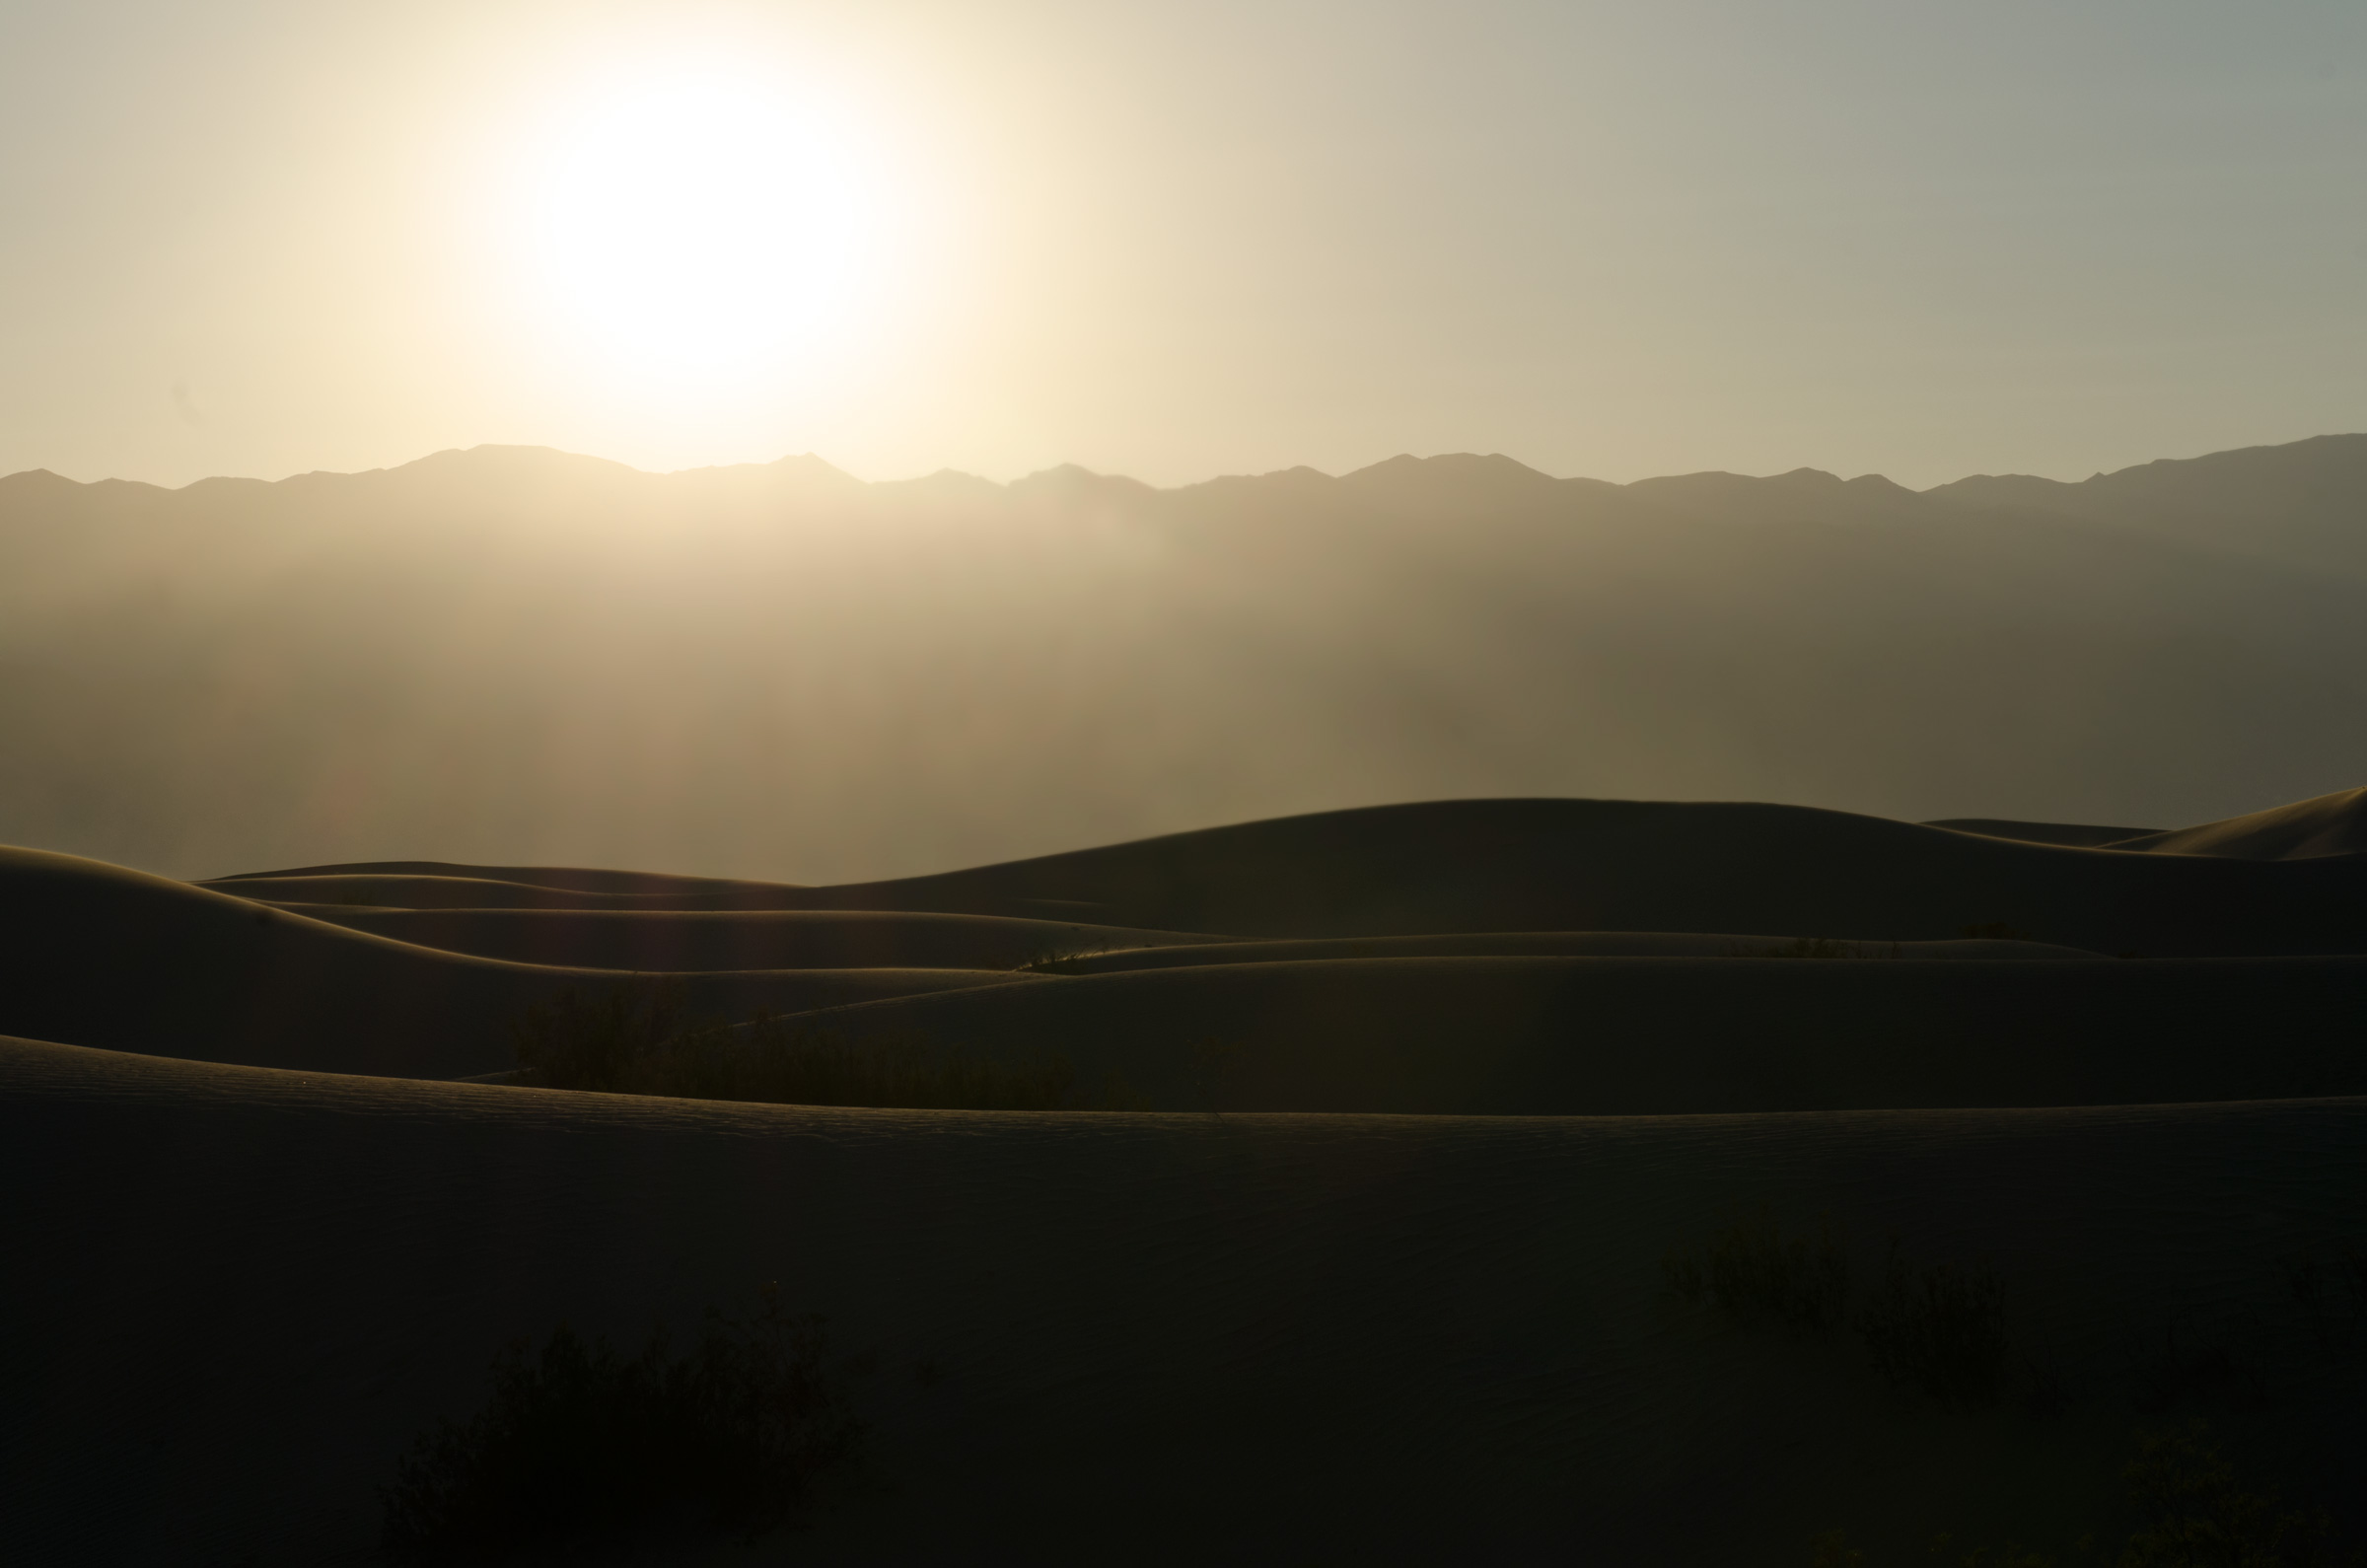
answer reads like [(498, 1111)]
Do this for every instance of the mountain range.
[(778, 671)]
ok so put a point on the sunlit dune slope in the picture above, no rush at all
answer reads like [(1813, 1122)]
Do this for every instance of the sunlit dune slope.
[(100, 956), (2330, 824), (1281, 1339), (1603, 1035)]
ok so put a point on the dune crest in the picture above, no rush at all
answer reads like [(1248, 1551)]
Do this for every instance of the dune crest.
[(2328, 825)]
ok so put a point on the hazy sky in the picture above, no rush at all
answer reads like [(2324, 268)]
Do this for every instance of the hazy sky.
[(1180, 240)]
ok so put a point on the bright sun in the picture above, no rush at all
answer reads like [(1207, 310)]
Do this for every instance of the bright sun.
[(699, 222)]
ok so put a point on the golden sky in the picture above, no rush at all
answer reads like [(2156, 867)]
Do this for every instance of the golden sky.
[(1180, 240)]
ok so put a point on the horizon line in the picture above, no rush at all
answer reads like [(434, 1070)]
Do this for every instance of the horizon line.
[(1066, 468)]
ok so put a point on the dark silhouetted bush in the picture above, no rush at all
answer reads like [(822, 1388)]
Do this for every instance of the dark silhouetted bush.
[(2184, 1372), (2329, 1287), (642, 1045), (601, 1044), (581, 1444), (1939, 1329), (1753, 1273), (2198, 1515), (2191, 1511)]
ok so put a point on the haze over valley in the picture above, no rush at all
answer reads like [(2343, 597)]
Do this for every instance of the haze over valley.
[(775, 670)]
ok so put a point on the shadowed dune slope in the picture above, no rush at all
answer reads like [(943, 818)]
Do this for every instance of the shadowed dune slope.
[(1484, 866), (1545, 864), (447, 890), (1281, 1338), (561, 878), (740, 939), (2330, 824), (1601, 1035), (102, 956)]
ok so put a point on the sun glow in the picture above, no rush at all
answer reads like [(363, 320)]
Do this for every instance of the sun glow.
[(701, 221)]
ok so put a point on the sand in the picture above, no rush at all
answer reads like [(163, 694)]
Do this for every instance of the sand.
[(682, 940), (1176, 1338), (1425, 1095), (1601, 1035), (102, 956), (2330, 824)]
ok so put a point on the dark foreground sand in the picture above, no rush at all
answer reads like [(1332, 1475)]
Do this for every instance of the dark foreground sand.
[(1168, 1337), (1422, 1096)]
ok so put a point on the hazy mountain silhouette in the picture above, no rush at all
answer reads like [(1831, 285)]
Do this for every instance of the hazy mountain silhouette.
[(776, 670)]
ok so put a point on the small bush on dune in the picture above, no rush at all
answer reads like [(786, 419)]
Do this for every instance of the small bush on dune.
[(574, 1043), (581, 1444), (2329, 1289), (1753, 1273), (798, 1064), (643, 1045), (2191, 1511), (1939, 1329), (2196, 1511)]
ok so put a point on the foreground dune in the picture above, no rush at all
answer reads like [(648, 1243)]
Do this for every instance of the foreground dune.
[(1605, 1036), (1148, 1337), (1360, 1259)]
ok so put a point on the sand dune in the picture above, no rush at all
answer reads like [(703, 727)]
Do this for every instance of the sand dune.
[(1551, 944), (1476, 865), (444, 891), (1284, 1338), (1376, 1276), (1603, 1036), (2081, 836), (1489, 865), (2330, 824), (1480, 866), (1486, 955), (102, 956), (567, 879), (687, 939)]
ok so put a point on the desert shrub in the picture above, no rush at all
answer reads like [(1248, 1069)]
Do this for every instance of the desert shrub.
[(642, 1044), (792, 1063), (2190, 1509), (1939, 1329), (2329, 1287), (1834, 1551), (1815, 948), (577, 1043), (1752, 1272), (2178, 1372), (2196, 1513), (581, 1444)]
